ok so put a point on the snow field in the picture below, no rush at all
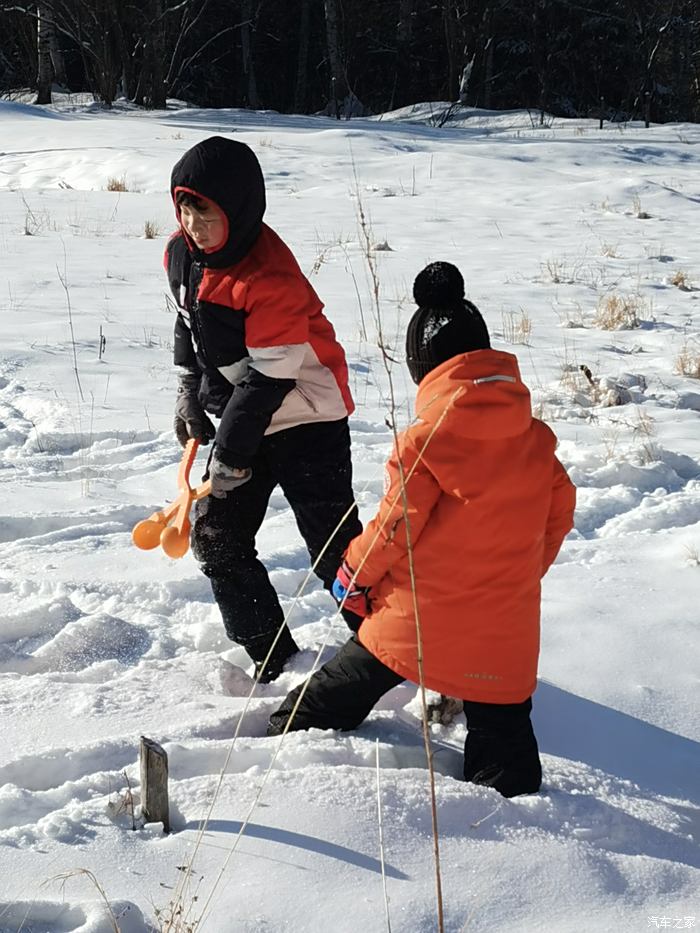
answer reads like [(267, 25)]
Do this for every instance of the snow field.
[(100, 643)]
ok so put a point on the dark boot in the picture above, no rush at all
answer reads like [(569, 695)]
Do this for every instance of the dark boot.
[(254, 624), (284, 648), (340, 695), (501, 749)]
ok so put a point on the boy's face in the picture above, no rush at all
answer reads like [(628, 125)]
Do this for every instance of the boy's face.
[(206, 227)]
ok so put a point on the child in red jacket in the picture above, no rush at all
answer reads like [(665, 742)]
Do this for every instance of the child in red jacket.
[(448, 572), (254, 348)]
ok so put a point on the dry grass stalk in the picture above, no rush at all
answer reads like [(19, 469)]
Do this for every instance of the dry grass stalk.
[(637, 209), (423, 695), (576, 271), (151, 229), (124, 803), (643, 431), (366, 240), (517, 327), (559, 271), (380, 822), (65, 876), (63, 279), (321, 257), (358, 294), (619, 312), (176, 916), (572, 379), (611, 440), (681, 280), (117, 183), (688, 361)]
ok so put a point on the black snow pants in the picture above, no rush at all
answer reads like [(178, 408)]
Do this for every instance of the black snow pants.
[(500, 750), (312, 464)]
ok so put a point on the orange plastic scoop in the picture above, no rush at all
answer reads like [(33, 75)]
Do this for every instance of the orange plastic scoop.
[(171, 527)]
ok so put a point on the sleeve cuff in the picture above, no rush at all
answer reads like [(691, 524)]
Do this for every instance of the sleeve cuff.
[(231, 459)]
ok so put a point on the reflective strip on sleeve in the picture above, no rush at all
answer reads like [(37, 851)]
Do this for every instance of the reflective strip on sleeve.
[(495, 379)]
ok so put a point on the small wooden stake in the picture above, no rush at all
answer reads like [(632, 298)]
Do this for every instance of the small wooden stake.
[(154, 783)]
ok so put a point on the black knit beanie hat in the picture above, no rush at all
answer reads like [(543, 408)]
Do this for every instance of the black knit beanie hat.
[(445, 324)]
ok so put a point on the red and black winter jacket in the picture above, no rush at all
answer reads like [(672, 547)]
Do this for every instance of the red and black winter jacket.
[(249, 323)]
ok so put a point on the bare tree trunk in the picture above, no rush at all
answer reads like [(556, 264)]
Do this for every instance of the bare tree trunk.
[(450, 22), (464, 80), (247, 51), (127, 79), (302, 58), (401, 93), (96, 30), (107, 65), (681, 55), (339, 88), (541, 54), (404, 27), (158, 96), (57, 61), (45, 27), (142, 80), (488, 56)]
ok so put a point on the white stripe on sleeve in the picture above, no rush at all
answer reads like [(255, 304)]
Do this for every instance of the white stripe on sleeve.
[(283, 362)]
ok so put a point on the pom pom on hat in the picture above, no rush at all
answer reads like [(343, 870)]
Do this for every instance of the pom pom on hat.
[(445, 324), (439, 285)]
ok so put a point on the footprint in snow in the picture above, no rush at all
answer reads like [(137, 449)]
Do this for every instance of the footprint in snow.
[(68, 917)]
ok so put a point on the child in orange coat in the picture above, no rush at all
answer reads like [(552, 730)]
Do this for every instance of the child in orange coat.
[(449, 570)]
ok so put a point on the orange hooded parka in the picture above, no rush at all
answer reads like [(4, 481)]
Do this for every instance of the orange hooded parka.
[(476, 491)]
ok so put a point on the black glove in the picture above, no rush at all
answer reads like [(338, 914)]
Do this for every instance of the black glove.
[(191, 421), (225, 478)]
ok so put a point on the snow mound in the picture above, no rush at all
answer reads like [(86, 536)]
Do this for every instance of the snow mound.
[(93, 638), (18, 111)]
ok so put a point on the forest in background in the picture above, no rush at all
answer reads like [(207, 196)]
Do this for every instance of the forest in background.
[(617, 59)]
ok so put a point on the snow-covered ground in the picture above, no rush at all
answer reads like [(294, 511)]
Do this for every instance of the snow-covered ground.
[(553, 227)]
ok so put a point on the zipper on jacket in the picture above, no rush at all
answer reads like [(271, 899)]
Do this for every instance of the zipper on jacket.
[(195, 280)]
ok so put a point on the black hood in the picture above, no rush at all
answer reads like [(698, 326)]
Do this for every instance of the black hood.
[(228, 173)]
